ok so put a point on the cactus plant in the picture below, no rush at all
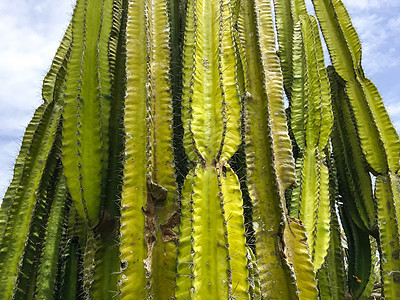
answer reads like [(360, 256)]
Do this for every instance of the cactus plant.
[(163, 162)]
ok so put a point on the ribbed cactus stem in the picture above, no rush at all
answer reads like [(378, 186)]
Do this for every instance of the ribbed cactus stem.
[(267, 208), (311, 124), (47, 273), (134, 191), (378, 138), (149, 157)]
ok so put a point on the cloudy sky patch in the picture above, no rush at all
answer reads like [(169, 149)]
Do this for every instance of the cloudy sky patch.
[(31, 31)]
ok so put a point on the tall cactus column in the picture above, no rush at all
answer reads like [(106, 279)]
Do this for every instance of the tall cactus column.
[(212, 261), (270, 165), (148, 252)]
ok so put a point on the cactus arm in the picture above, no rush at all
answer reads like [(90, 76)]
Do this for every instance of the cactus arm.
[(189, 49), (234, 220), (58, 61), (352, 170), (312, 112), (284, 27), (134, 190), (287, 13), (359, 254), (322, 235), (20, 168), (71, 288), (107, 256), (161, 99), (314, 205), (30, 258), (207, 125), (299, 257), (389, 135), (319, 115), (373, 123), (185, 268), (349, 32), (46, 278), (82, 130), (49, 84), (232, 107), (163, 254), (273, 82), (331, 276), (388, 223), (267, 213), (210, 253), (298, 94), (12, 243)]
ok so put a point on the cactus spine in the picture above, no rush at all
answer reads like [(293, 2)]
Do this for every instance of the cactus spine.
[(163, 163)]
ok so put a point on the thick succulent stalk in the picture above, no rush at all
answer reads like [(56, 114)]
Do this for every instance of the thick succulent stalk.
[(299, 256), (46, 278), (87, 106), (21, 196), (387, 198), (148, 252), (379, 140), (354, 176), (263, 181), (376, 133), (311, 122), (93, 208), (331, 276), (287, 13), (212, 260)]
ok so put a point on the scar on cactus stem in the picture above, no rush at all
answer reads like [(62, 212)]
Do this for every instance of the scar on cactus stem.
[(156, 194)]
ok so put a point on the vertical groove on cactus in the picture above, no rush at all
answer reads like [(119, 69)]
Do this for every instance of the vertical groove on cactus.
[(267, 212), (230, 92)]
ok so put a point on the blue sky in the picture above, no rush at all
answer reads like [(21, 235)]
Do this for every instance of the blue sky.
[(31, 30)]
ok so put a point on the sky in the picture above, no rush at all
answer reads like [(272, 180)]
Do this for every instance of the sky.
[(31, 31)]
